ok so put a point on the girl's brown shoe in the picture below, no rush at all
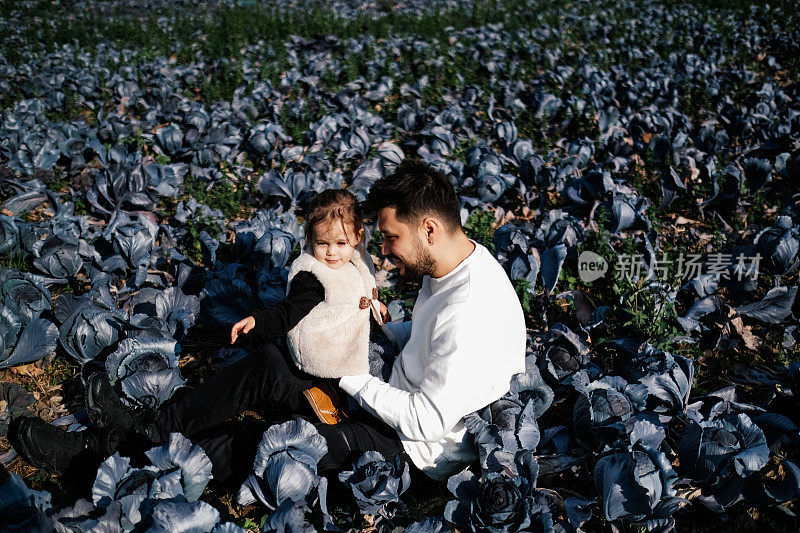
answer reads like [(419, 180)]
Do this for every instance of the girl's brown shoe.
[(326, 404)]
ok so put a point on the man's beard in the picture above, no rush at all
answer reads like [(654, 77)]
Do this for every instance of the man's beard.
[(423, 264)]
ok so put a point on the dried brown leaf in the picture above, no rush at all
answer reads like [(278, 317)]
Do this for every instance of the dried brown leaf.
[(29, 370)]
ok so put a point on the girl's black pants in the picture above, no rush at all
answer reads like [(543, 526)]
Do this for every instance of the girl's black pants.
[(267, 382)]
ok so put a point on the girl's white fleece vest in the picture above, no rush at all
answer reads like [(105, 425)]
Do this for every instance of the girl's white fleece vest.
[(333, 339)]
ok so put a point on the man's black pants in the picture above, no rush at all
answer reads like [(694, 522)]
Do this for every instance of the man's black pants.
[(266, 379)]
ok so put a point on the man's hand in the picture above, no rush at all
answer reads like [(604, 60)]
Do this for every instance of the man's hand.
[(243, 326), (385, 313)]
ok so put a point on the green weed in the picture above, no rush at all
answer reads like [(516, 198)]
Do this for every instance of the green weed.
[(523, 289), (479, 227), (136, 140), (66, 112), (222, 195), (222, 81), (375, 243), (295, 128), (537, 129), (81, 205), (386, 295), (693, 97), (648, 310), (194, 227), (60, 182), (60, 369), (16, 259)]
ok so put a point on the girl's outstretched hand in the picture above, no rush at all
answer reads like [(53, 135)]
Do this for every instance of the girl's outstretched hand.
[(243, 326)]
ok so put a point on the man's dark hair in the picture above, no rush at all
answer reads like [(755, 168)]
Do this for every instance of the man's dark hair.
[(416, 190)]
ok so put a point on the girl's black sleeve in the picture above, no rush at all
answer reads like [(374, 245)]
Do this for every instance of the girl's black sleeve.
[(305, 292)]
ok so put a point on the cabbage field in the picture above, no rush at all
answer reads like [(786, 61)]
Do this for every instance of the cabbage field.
[(633, 165)]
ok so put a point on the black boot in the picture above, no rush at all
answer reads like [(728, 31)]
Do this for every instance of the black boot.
[(50, 448), (106, 410)]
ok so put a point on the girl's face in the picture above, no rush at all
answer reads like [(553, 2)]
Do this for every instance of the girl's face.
[(331, 244)]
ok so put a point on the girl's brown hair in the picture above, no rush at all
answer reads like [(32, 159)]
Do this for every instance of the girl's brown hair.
[(334, 204)]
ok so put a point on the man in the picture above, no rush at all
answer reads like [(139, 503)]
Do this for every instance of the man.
[(465, 341)]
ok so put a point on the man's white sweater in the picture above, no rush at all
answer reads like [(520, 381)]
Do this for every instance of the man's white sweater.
[(465, 341)]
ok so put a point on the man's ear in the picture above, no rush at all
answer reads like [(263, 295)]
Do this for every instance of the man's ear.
[(431, 229)]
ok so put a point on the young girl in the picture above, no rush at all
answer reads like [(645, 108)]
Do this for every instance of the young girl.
[(330, 298)]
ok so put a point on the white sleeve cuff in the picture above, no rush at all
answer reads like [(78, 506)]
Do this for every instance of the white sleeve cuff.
[(352, 385)]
